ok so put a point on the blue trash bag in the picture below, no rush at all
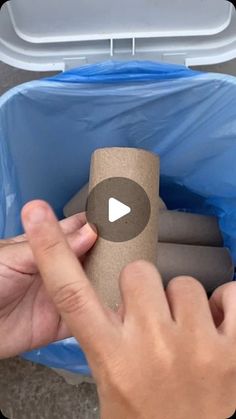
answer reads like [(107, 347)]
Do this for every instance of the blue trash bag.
[(49, 129)]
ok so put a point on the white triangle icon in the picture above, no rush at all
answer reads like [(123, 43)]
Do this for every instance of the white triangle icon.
[(117, 210)]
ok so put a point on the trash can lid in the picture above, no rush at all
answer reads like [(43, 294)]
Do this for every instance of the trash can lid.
[(84, 20), (54, 34)]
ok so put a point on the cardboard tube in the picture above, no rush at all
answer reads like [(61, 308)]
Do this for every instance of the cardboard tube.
[(184, 228), (78, 203), (106, 260), (210, 265), (174, 226)]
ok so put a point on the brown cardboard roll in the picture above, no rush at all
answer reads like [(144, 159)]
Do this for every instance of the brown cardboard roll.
[(106, 260), (184, 228), (174, 226), (78, 203), (211, 266), (161, 204)]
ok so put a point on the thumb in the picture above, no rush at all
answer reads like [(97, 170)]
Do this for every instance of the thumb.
[(17, 255), (65, 280)]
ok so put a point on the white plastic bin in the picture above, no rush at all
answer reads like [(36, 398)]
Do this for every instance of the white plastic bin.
[(49, 128)]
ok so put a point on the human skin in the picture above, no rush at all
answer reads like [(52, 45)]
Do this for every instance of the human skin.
[(166, 354), (28, 316)]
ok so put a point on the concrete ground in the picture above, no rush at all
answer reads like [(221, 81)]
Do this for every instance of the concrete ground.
[(29, 391)]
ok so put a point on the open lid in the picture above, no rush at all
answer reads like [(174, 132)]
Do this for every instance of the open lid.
[(77, 20), (54, 34)]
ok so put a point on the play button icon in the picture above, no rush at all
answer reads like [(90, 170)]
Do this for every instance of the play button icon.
[(119, 208)]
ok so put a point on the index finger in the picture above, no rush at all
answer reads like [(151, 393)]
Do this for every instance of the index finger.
[(68, 225), (65, 279)]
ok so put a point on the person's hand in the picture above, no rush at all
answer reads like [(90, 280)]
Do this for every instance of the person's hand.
[(161, 356), (28, 317)]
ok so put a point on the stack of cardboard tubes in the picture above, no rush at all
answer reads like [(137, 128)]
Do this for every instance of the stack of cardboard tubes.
[(178, 243)]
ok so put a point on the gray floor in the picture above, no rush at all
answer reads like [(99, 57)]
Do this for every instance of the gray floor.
[(10, 77), (29, 391)]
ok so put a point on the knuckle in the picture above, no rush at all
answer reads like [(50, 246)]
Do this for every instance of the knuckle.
[(70, 299)]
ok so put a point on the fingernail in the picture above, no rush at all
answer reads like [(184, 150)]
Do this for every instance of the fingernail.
[(35, 216)]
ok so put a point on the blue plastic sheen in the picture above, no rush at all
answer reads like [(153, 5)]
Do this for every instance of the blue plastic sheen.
[(124, 71), (49, 129)]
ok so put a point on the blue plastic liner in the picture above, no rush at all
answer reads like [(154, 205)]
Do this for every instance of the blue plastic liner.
[(49, 129)]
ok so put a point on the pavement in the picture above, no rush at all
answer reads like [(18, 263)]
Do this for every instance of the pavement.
[(10, 77), (29, 391)]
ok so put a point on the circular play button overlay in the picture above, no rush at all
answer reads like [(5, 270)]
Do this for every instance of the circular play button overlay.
[(119, 208)]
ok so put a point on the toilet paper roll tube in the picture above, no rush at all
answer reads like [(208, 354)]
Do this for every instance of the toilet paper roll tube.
[(184, 228), (107, 259), (213, 267), (78, 203), (210, 265), (174, 226)]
